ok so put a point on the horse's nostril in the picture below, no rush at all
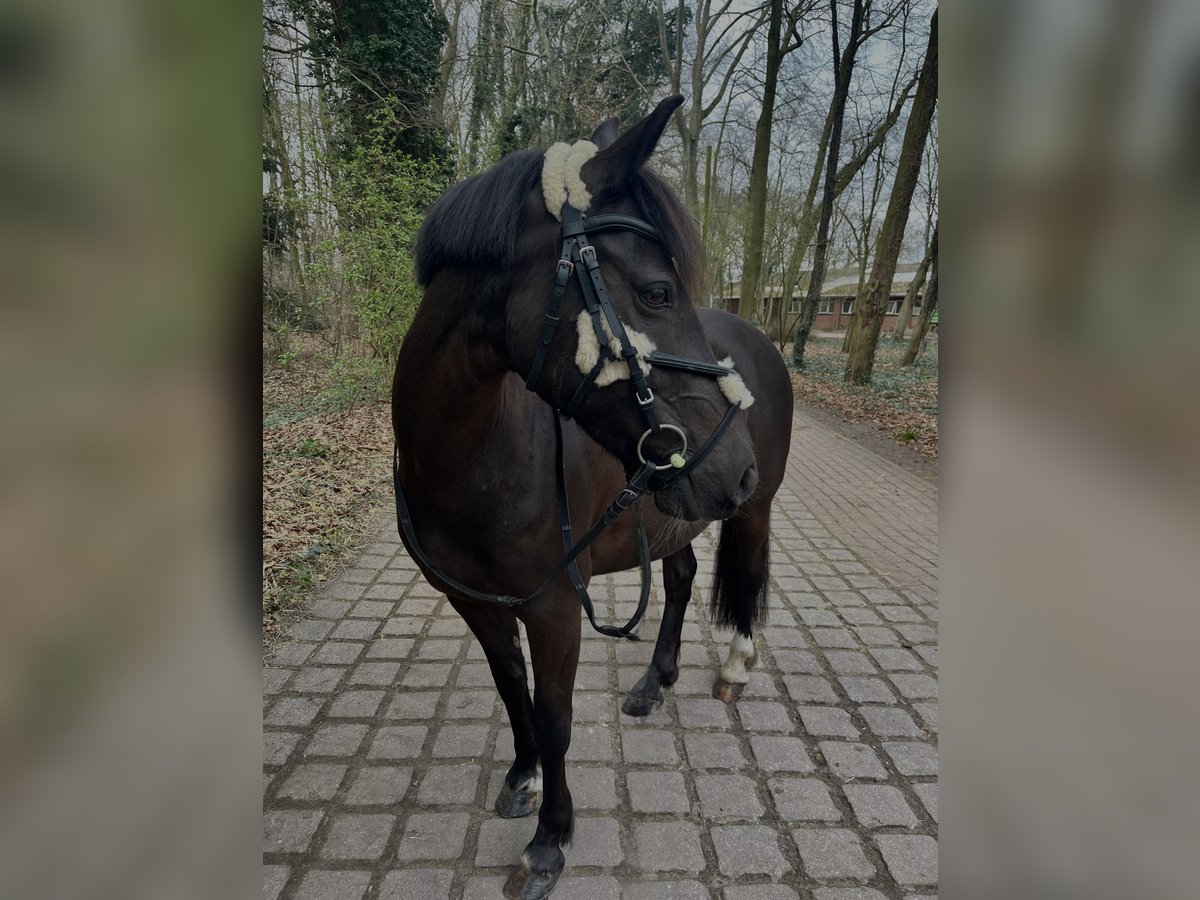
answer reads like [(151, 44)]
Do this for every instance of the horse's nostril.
[(747, 485)]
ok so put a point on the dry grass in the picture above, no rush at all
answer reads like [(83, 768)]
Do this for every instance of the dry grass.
[(901, 400), (327, 446)]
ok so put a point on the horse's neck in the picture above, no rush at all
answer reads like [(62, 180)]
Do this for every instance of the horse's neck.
[(455, 416)]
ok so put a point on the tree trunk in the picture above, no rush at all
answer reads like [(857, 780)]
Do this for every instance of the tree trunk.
[(910, 298), (757, 196), (844, 62), (927, 308), (872, 301)]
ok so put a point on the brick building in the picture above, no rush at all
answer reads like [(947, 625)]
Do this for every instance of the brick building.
[(838, 296)]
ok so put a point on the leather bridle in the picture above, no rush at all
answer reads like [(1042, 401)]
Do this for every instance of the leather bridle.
[(578, 257)]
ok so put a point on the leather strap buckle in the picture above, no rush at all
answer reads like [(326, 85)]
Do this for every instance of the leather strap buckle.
[(565, 273)]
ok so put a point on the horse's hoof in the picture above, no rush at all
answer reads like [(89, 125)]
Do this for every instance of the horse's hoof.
[(640, 704), (513, 804), (526, 884), (727, 691), (753, 660)]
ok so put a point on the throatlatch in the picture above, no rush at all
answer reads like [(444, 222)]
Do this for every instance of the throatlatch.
[(578, 258)]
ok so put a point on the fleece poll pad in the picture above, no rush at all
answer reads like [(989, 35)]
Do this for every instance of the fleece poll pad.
[(562, 181)]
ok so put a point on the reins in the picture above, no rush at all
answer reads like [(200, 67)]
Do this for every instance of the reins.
[(578, 257)]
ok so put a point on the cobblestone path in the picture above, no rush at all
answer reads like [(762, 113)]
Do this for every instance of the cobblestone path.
[(385, 743)]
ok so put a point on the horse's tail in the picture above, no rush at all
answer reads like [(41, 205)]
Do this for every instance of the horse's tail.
[(739, 585)]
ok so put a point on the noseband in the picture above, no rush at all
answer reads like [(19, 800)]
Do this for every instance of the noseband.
[(578, 257)]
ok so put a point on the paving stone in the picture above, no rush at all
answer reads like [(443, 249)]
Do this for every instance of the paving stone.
[(727, 797), (867, 689), (896, 659), (294, 711), (338, 652), (810, 689), (668, 847), (917, 633), (665, 890), (827, 721), (310, 630), (912, 757), (877, 805), (454, 627), (849, 662), (797, 661), (343, 590), (707, 713), (421, 675), (780, 754), (916, 687), (485, 887), (593, 788), (833, 638), (911, 859), (877, 636), (372, 609), (312, 781), (289, 830), (597, 842), (929, 714), (329, 609), (336, 740), (802, 799), (590, 743), (379, 785), (764, 716), (274, 878), (748, 850), (358, 836), (378, 673), (274, 680), (887, 722), (317, 679), (439, 649), (829, 854), (657, 792), (759, 892), (433, 835), (449, 785), (475, 675), (385, 591), (851, 760), (460, 740), (714, 751), (409, 884), (398, 742), (861, 893), (390, 648), (929, 796), (900, 614), (355, 704), (278, 746), (419, 705), (470, 705), (344, 885), (648, 747), (406, 626), (501, 841)]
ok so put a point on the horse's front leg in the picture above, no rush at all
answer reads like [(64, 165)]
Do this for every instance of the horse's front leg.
[(496, 631), (679, 571), (553, 631)]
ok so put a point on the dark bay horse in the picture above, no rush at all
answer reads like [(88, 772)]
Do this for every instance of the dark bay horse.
[(477, 453)]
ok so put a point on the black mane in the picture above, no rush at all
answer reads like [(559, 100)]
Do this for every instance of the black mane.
[(474, 223)]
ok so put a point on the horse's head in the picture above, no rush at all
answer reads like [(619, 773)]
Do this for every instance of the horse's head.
[(652, 278)]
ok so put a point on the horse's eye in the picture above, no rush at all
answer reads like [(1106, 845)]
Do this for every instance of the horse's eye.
[(656, 297)]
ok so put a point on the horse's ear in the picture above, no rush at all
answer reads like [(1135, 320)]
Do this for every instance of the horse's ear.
[(617, 162), (606, 132)]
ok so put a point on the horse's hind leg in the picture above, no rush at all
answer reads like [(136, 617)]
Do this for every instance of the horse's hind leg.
[(679, 571), (553, 632), (496, 630), (740, 592)]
